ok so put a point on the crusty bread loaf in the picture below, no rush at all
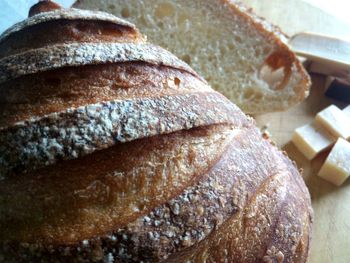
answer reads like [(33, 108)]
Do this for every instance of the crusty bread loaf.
[(239, 54), (113, 150)]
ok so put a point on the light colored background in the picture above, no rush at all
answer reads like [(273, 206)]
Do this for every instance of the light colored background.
[(338, 8), (13, 11), (331, 17)]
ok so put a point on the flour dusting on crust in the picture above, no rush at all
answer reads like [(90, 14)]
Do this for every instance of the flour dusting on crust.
[(79, 131), (66, 14), (80, 54)]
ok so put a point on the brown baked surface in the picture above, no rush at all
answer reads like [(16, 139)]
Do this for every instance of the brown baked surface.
[(136, 160), (56, 90), (63, 31)]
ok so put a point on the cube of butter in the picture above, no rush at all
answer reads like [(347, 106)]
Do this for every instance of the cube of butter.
[(337, 166), (347, 110), (312, 139), (335, 121)]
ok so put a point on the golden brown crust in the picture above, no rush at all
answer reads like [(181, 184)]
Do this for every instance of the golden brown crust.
[(135, 160), (63, 14), (267, 219), (108, 188), (76, 132), (43, 6), (56, 90), (63, 31), (273, 223), (57, 56), (233, 214)]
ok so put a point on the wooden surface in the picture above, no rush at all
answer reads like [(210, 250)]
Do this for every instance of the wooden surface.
[(331, 231)]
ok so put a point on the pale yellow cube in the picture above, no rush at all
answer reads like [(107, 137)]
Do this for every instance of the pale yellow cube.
[(312, 139), (335, 121), (337, 166)]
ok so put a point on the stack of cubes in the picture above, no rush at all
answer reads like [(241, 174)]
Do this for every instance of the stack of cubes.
[(330, 129)]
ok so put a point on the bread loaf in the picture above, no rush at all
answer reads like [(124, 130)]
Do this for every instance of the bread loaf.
[(240, 54), (114, 150)]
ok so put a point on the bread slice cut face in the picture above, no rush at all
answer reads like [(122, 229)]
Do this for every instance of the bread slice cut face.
[(238, 53)]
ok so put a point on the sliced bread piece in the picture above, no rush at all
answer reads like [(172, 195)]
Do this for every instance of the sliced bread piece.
[(239, 53)]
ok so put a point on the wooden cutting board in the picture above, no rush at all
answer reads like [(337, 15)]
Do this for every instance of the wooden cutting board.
[(331, 230)]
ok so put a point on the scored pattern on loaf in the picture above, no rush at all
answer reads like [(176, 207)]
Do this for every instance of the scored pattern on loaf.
[(186, 219), (79, 54), (71, 14), (128, 180), (76, 132), (141, 164), (219, 197)]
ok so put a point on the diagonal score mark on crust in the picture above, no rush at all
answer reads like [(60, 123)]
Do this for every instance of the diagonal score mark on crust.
[(110, 238), (79, 131), (278, 179), (80, 54), (122, 188), (227, 221), (225, 228), (66, 14)]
